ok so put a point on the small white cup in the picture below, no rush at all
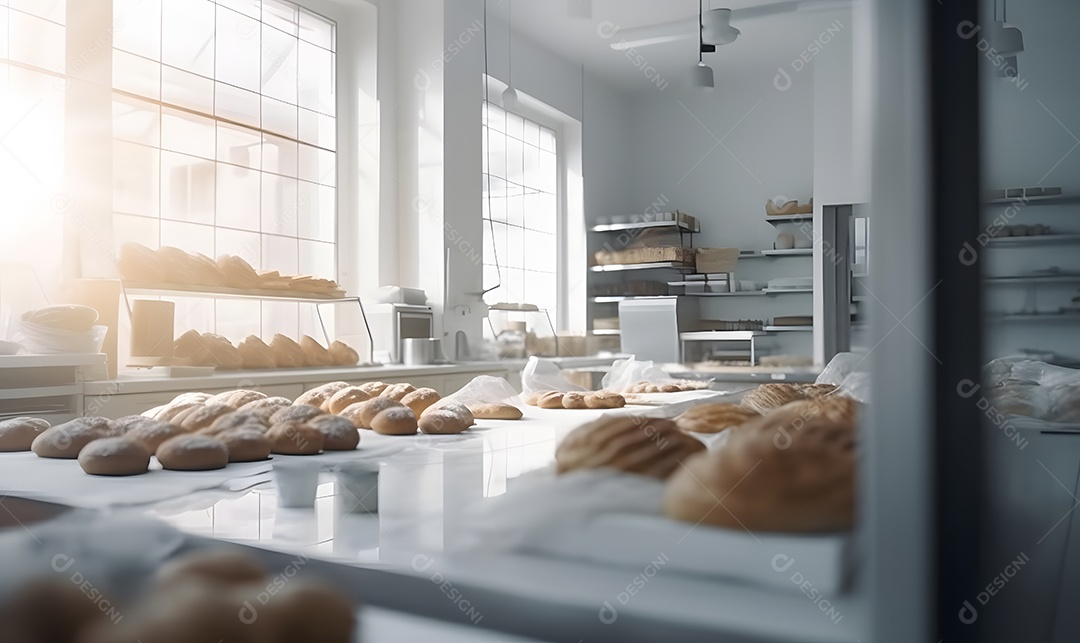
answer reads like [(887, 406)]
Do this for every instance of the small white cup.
[(297, 482), (358, 486)]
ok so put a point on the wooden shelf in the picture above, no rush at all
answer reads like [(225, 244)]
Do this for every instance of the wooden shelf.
[(226, 292), (618, 267)]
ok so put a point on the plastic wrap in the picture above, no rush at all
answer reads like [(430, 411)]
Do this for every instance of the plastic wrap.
[(486, 389), (841, 366), (1020, 386), (627, 372), (545, 375)]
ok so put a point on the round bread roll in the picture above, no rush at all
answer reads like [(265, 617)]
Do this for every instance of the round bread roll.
[(237, 398), (296, 413), (792, 470), (218, 566), (362, 413), (175, 409), (457, 408), (315, 353), (287, 353), (397, 391), (236, 420), (304, 612), (192, 452), (115, 457), (374, 389), (494, 412), (345, 398), (640, 387), (714, 418), (550, 400), (648, 446), (604, 400), (320, 395), (533, 399), (68, 439), (52, 610), (256, 353), (17, 434), (343, 354), (202, 417), (771, 396), (292, 437), (266, 409), (574, 400), (419, 399), (340, 434), (396, 420), (245, 444), (150, 432), (443, 421)]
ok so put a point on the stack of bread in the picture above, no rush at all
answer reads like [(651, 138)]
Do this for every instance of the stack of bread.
[(575, 400), (674, 386), (209, 349), (215, 595), (172, 266)]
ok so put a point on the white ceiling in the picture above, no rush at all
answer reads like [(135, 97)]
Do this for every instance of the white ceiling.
[(765, 43)]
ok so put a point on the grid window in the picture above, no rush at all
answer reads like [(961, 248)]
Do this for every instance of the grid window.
[(521, 215)]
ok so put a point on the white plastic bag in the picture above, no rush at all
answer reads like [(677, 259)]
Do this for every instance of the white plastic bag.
[(627, 372), (485, 389), (842, 365), (545, 375)]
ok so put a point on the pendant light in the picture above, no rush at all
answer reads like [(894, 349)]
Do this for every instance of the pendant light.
[(702, 76), (509, 95), (1008, 41)]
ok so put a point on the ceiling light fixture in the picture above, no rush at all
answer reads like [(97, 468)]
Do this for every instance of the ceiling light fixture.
[(1008, 41), (509, 95), (702, 75)]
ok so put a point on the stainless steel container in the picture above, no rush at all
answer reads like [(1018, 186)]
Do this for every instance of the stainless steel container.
[(418, 351)]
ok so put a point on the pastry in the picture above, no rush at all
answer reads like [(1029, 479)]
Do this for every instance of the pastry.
[(236, 399), (533, 399), (17, 434), (245, 444), (221, 353), (345, 398), (68, 317), (362, 413), (120, 456), (343, 354), (817, 390), (265, 409), (293, 437), (396, 420), (320, 395), (340, 434), (397, 391), (218, 566), (192, 453), (256, 353), (714, 418), (67, 439), (771, 396), (454, 407), (174, 410), (201, 417), (648, 446), (419, 399), (550, 400), (190, 346), (237, 420), (442, 421), (792, 470), (574, 400), (374, 389), (237, 272), (315, 353), (296, 413), (604, 400), (139, 263), (149, 432), (288, 353), (495, 411)]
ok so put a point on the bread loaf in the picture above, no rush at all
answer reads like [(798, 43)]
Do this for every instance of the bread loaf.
[(314, 352), (574, 400), (238, 273), (397, 391), (66, 440), (119, 456), (69, 317), (256, 353), (221, 353), (207, 272), (792, 470), (287, 353), (217, 566), (362, 413), (345, 398), (340, 434), (296, 413), (192, 453), (605, 400), (771, 396), (374, 389), (396, 420), (201, 417), (245, 444), (148, 431), (236, 399), (495, 411), (648, 446), (236, 420), (550, 400), (295, 438), (320, 395), (443, 421), (17, 434), (139, 263), (343, 354), (714, 418), (533, 399), (265, 409), (420, 399)]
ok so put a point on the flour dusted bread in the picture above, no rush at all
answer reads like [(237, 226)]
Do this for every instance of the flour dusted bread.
[(265, 409), (237, 420), (201, 417), (714, 418), (67, 439), (648, 446), (495, 411), (320, 395), (148, 431), (605, 400), (245, 444), (396, 420), (340, 434), (812, 391), (792, 470), (771, 396), (256, 353), (345, 398), (120, 456), (192, 453), (296, 413), (374, 389), (550, 400), (17, 434), (362, 413), (237, 398), (295, 438), (397, 391), (420, 399)]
